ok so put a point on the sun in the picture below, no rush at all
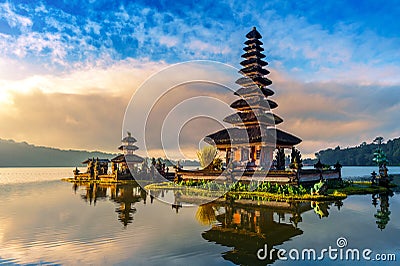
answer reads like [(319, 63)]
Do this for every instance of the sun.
[(5, 98)]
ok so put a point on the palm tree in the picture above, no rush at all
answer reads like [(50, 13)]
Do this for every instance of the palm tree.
[(208, 158), (378, 140), (379, 155)]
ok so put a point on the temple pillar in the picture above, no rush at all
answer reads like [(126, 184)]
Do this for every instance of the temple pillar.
[(244, 154), (253, 153), (228, 155), (237, 154), (266, 154), (280, 158)]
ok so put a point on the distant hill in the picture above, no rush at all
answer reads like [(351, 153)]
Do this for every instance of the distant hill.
[(22, 154), (361, 155)]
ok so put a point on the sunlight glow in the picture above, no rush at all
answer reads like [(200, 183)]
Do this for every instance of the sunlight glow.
[(5, 99)]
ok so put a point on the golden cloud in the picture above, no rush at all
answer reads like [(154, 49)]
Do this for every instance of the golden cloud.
[(85, 109)]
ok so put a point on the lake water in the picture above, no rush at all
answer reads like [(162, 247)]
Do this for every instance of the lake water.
[(46, 221)]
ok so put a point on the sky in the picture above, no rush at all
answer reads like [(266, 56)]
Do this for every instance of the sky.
[(68, 69)]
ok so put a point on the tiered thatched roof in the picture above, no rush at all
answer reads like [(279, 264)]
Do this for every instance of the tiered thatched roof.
[(250, 118), (128, 148), (129, 158), (95, 160), (254, 118), (129, 139), (256, 134), (242, 104)]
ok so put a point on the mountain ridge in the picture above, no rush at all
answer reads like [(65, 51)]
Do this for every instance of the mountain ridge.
[(23, 154), (361, 155)]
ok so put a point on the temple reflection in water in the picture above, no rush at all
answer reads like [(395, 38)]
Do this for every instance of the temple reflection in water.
[(124, 195), (245, 226)]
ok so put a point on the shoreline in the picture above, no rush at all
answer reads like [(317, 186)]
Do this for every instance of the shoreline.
[(333, 193), (357, 187)]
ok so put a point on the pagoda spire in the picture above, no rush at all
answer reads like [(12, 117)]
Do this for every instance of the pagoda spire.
[(127, 144), (253, 107)]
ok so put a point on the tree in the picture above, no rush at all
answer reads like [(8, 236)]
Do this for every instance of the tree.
[(364, 154), (296, 162), (379, 155), (208, 158), (378, 140)]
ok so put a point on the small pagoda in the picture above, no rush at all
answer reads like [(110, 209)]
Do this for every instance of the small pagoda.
[(254, 138), (121, 164)]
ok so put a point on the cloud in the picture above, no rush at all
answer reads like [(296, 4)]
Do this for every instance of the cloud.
[(13, 19), (41, 44), (82, 110), (91, 121), (336, 113), (111, 32), (343, 83), (93, 27), (121, 76), (166, 102)]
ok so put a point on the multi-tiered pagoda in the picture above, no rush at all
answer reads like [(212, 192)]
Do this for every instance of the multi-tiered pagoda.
[(254, 137), (127, 158), (121, 165)]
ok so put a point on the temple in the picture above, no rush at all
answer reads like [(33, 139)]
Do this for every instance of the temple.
[(254, 137), (121, 165)]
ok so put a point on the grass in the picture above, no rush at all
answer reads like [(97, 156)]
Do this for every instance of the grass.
[(358, 189), (255, 195), (266, 191), (257, 191), (163, 185)]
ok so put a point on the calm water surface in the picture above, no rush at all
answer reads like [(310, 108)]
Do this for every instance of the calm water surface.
[(46, 221)]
